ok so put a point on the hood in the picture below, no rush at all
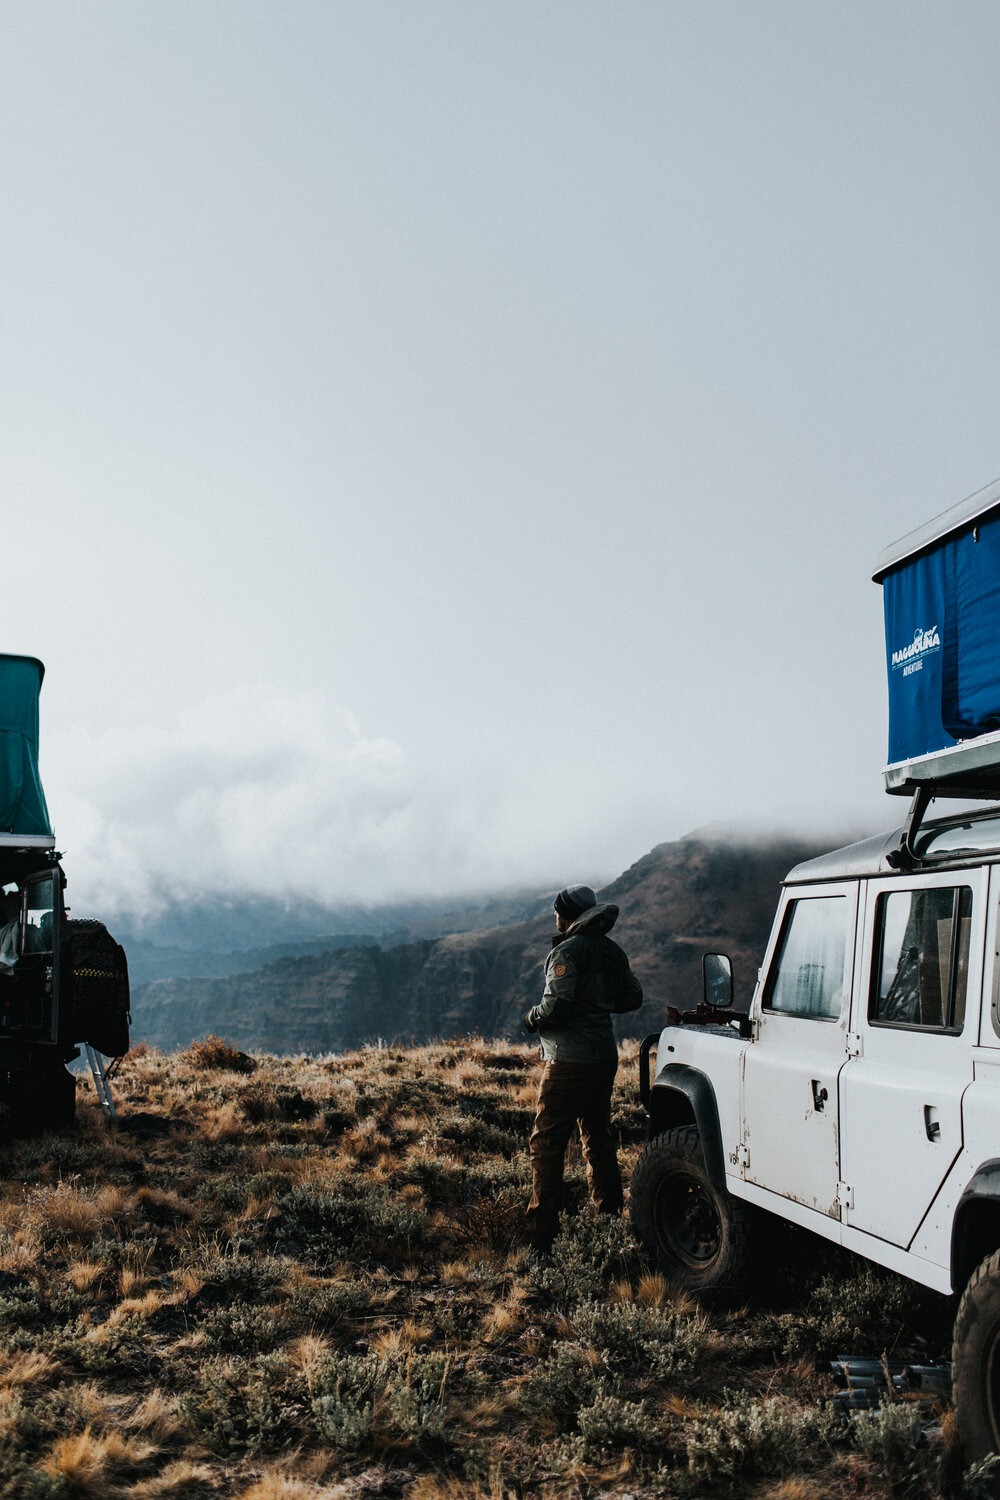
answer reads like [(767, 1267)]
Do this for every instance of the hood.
[(595, 921)]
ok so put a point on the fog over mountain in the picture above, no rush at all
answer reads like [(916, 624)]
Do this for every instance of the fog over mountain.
[(263, 798), (700, 894), (261, 791)]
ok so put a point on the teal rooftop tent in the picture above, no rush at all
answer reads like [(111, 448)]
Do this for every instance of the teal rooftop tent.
[(22, 802)]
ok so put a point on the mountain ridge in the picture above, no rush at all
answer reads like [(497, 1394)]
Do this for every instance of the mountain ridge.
[(678, 901)]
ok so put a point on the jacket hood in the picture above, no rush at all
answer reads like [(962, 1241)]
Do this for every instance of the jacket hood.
[(594, 922)]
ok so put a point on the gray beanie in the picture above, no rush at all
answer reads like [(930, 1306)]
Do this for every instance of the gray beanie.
[(574, 901)]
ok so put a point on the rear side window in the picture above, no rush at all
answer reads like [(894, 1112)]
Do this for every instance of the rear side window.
[(921, 971), (808, 978)]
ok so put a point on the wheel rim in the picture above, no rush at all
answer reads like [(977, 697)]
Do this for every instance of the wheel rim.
[(688, 1225)]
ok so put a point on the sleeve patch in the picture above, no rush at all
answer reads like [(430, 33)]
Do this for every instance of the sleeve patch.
[(559, 970)]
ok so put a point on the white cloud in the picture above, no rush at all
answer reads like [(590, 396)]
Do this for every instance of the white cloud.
[(271, 792), (254, 790)]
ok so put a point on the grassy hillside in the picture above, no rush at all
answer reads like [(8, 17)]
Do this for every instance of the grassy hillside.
[(287, 1278)]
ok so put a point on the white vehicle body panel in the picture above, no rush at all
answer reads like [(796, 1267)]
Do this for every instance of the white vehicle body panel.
[(861, 1126), (989, 1021), (789, 1107), (901, 1098), (717, 1054), (981, 1126)]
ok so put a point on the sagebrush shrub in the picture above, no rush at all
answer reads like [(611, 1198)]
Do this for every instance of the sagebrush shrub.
[(324, 1307), (243, 1327), (768, 1437), (22, 1424), (354, 1222), (893, 1436), (476, 1132), (653, 1341), (980, 1480), (343, 1399), (610, 1422), (591, 1252), (246, 1405), (21, 1305), (866, 1308), (212, 1053), (416, 1390), (240, 1277), (563, 1382)]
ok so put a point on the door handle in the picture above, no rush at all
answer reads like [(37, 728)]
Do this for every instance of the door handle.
[(932, 1125), (820, 1096)]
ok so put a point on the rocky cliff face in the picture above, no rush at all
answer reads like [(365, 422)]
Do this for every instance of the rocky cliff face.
[(681, 900)]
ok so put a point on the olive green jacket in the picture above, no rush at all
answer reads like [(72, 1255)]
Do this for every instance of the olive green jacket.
[(587, 979)]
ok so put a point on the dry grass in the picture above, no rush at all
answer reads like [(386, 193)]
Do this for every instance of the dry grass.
[(177, 1480), (281, 1487), (304, 1279), (29, 1367), (88, 1461)]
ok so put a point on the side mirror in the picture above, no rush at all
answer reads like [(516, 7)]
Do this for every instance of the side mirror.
[(717, 975)]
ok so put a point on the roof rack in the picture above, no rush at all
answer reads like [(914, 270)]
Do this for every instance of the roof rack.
[(926, 791), (969, 769)]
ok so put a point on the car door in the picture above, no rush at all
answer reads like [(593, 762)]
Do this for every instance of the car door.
[(901, 1095), (36, 973), (790, 1141)]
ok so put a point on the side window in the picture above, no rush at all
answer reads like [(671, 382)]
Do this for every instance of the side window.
[(921, 971), (808, 978), (38, 916)]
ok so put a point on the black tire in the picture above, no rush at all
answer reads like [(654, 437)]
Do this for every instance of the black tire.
[(975, 1362), (692, 1230)]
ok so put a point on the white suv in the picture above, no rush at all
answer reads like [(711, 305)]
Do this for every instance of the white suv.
[(860, 1096)]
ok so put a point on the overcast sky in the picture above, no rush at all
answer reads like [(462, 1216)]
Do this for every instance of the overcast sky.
[(446, 445)]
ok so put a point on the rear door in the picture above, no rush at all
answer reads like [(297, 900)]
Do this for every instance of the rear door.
[(901, 1096), (790, 1085), (37, 969)]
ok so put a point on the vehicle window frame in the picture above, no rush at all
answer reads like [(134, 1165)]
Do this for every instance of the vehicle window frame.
[(29, 902), (992, 953), (774, 966), (877, 951)]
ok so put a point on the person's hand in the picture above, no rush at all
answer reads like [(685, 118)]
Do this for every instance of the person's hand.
[(530, 1024)]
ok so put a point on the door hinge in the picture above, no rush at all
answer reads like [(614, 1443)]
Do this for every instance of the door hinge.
[(854, 1044), (742, 1155), (845, 1195)]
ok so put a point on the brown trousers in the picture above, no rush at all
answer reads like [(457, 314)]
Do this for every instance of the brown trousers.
[(572, 1093)]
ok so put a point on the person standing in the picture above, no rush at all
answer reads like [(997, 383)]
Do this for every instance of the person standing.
[(587, 980)]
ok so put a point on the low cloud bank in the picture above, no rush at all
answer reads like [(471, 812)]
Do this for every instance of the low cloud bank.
[(265, 792)]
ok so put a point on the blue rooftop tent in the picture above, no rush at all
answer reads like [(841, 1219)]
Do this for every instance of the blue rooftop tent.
[(941, 588), (22, 801)]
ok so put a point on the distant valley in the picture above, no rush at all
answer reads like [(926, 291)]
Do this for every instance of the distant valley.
[(318, 981), (215, 935)]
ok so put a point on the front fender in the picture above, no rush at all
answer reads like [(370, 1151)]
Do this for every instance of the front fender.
[(975, 1230), (682, 1094)]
